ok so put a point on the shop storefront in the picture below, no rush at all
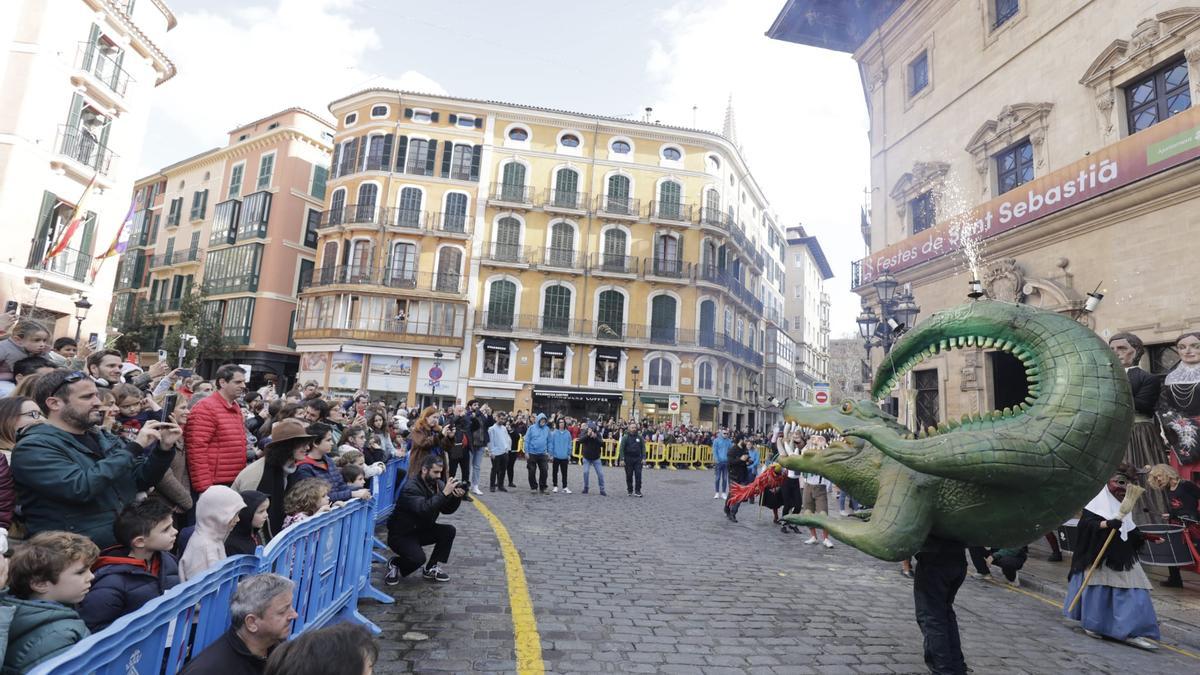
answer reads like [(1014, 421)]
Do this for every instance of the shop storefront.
[(578, 403)]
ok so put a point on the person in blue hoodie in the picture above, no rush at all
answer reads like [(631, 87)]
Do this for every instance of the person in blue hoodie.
[(560, 449), (537, 447), (720, 447)]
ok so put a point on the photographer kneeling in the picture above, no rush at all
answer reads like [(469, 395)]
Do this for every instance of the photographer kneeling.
[(414, 523)]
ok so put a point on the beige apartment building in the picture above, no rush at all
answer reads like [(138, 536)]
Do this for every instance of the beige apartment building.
[(541, 259), (239, 224), (76, 78), (1060, 134), (806, 308)]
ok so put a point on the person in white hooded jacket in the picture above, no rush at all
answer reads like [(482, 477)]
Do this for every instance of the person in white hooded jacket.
[(217, 513)]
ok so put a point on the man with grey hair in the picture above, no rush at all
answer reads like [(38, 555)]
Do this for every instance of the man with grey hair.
[(262, 619)]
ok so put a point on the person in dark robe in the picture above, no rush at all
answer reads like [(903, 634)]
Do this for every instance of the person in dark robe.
[(1116, 602), (1183, 502), (1146, 446)]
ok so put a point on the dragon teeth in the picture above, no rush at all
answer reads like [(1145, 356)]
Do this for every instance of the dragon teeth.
[(988, 343)]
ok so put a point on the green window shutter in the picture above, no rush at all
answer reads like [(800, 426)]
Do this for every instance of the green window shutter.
[(476, 156), (44, 230), (669, 193), (385, 162), (408, 113), (447, 151), (84, 259), (320, 179), (502, 303), (431, 158), (93, 40), (453, 118), (662, 319), (100, 165), (333, 165), (611, 314), (478, 122), (401, 153), (364, 143)]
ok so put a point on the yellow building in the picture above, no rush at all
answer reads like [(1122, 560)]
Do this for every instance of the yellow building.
[(540, 260)]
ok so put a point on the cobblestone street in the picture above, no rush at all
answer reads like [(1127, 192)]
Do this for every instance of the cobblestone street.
[(665, 584)]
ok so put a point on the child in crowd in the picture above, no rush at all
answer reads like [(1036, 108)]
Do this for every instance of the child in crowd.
[(108, 406), (304, 500), (217, 512), (49, 574), (354, 476), (356, 458), (252, 529), (134, 409), (353, 439), (138, 569), (27, 338)]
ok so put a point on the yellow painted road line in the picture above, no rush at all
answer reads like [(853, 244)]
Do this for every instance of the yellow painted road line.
[(1053, 603), (525, 632)]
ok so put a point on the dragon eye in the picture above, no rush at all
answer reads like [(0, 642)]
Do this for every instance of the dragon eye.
[(847, 407)]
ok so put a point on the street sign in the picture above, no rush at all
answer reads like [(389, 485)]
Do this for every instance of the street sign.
[(821, 393), (673, 404)]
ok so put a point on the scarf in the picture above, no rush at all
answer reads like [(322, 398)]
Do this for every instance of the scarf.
[(1108, 507), (1183, 374)]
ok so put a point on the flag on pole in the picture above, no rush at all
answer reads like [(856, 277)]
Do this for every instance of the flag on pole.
[(76, 219), (120, 241)]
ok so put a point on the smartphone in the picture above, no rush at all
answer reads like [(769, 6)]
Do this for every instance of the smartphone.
[(93, 338), (168, 408), (162, 355), (10, 306), (185, 372)]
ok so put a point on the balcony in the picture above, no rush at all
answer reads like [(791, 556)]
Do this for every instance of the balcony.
[(164, 305), (69, 265), (626, 208), (405, 219), (508, 255), (84, 151), (619, 265), (506, 194), (714, 218), (190, 255), (395, 329), (563, 201), (450, 283), (239, 283), (561, 258), (671, 213), (457, 225), (356, 214), (721, 277), (101, 73), (667, 268)]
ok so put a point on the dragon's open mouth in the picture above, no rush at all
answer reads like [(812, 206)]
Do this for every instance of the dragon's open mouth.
[(831, 434)]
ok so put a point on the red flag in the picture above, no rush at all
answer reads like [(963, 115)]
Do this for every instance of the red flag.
[(76, 219)]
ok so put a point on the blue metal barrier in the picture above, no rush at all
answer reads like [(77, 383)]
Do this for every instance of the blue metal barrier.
[(327, 557), (384, 490), (162, 635)]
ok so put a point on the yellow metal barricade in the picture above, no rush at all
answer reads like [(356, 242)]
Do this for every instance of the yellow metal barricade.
[(677, 453), (576, 453), (704, 456), (656, 454), (608, 452)]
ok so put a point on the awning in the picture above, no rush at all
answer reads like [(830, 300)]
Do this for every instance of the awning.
[(577, 394), (611, 353), (497, 344), (704, 400), (652, 398), (554, 349)]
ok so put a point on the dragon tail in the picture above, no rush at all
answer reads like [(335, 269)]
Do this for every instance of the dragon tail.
[(772, 478)]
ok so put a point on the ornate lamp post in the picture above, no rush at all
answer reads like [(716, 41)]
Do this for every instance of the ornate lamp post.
[(433, 384), (897, 312), (81, 310), (635, 372)]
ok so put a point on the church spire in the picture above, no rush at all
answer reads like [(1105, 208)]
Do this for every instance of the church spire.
[(729, 129)]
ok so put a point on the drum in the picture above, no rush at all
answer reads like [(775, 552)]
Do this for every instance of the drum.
[(1172, 551), (1066, 535)]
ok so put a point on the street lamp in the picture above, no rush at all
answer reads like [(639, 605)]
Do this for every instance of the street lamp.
[(885, 287), (81, 310), (433, 384), (635, 372)]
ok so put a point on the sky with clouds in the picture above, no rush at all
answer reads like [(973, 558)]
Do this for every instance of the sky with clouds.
[(801, 117)]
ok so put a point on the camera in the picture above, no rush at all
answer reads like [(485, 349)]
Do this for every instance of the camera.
[(465, 486)]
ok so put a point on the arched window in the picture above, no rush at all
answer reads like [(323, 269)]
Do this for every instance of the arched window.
[(615, 241), (712, 207), (455, 218), (708, 323), (518, 134), (672, 154), (360, 260), (402, 267), (569, 141), (727, 379), (337, 207), (508, 239), (662, 319), (449, 272), (667, 261), (512, 182), (408, 214), (562, 245), (704, 376), (708, 258), (329, 262), (566, 189), (618, 194), (502, 304), (620, 147), (556, 310), (670, 195), (610, 316), (713, 164), (660, 372), (368, 194)]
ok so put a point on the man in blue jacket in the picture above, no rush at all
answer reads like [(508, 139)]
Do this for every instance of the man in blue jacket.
[(70, 476), (537, 454), (720, 447)]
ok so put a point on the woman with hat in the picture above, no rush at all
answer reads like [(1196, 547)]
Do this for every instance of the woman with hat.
[(269, 474)]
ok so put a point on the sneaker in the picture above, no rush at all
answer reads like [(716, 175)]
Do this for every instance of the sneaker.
[(476, 490), (1141, 643), (511, 485), (717, 495), (827, 543), (555, 489), (603, 493), (905, 573), (843, 513), (981, 575), (566, 491), (810, 540), (585, 491), (637, 494), (630, 494), (1092, 634), (543, 492), (435, 573), (492, 489), (501, 489), (1016, 580), (533, 491), (724, 495), (393, 574)]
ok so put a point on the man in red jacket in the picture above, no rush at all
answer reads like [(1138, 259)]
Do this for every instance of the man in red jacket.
[(215, 435)]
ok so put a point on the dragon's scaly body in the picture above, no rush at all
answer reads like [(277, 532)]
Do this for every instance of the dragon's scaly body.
[(1002, 478)]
